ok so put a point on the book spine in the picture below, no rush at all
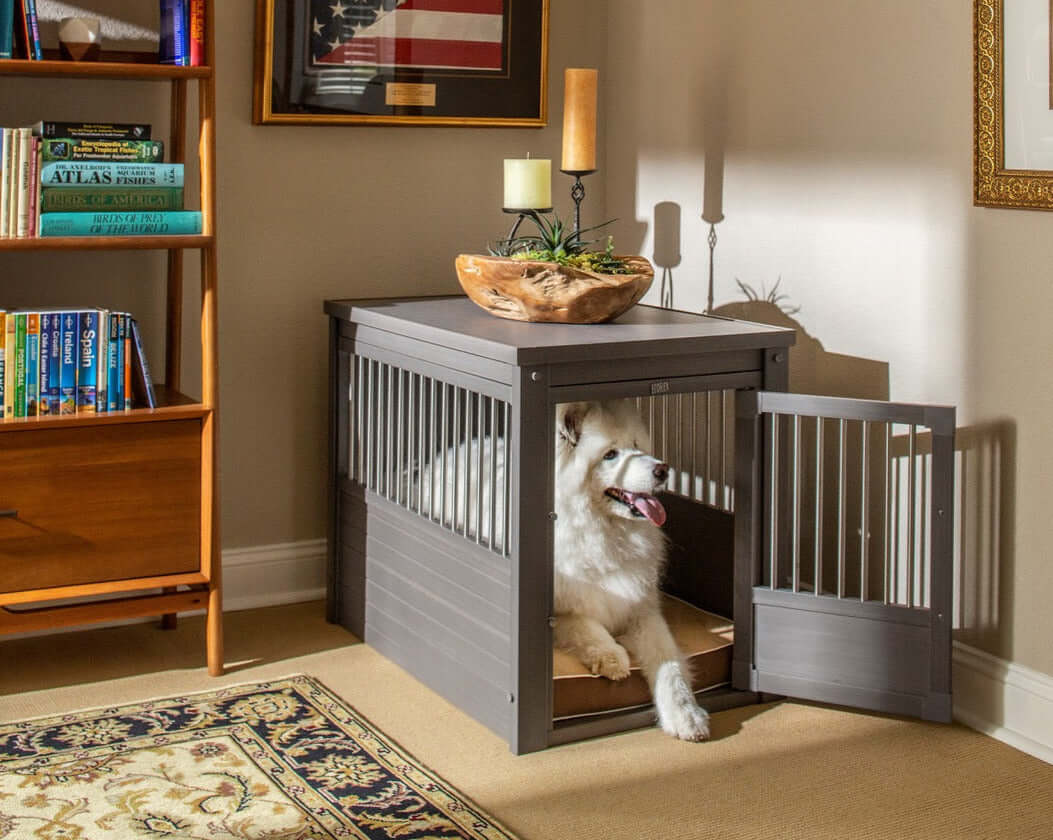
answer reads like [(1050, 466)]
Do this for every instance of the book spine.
[(34, 29), (5, 177), (170, 222), (3, 359), (34, 188), (126, 359), (55, 365), (9, 365), (20, 364), (114, 374), (7, 28), (44, 365), (142, 382), (68, 377), (32, 363), (87, 361), (22, 185), (102, 355), (132, 151), (173, 46), (81, 199), (197, 33), (110, 174), (94, 131)]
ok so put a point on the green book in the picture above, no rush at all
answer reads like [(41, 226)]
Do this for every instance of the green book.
[(20, 364), (129, 151), (73, 199)]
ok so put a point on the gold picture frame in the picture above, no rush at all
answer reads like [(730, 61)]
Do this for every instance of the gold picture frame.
[(309, 68), (994, 185)]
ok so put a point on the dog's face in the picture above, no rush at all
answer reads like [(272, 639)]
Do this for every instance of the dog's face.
[(602, 453)]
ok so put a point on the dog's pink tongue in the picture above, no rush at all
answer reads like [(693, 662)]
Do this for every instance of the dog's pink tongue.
[(649, 506)]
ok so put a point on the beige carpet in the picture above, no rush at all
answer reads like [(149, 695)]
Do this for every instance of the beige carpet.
[(777, 772)]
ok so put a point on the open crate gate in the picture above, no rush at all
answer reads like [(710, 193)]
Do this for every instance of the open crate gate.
[(820, 527)]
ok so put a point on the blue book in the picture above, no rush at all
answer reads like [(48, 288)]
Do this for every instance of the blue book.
[(162, 223), (87, 361), (175, 45), (54, 383), (114, 369), (44, 364), (33, 28), (7, 28), (110, 173), (32, 363), (68, 366), (142, 382)]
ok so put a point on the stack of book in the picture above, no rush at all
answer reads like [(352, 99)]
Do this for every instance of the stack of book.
[(84, 361), (90, 179), (182, 31)]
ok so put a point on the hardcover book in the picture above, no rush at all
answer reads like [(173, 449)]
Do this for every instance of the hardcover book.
[(92, 131), (7, 28), (99, 199), (110, 174), (197, 33), (173, 47), (165, 223), (132, 151)]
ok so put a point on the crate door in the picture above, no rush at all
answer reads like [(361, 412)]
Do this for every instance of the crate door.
[(844, 551)]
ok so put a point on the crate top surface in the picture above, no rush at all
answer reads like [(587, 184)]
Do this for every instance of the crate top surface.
[(457, 323)]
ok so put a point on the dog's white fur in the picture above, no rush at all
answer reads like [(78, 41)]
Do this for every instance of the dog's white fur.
[(609, 559)]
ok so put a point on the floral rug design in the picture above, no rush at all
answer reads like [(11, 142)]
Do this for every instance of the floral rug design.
[(284, 760)]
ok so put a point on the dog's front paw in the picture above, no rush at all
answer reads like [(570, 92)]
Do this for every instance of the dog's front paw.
[(688, 722), (612, 663)]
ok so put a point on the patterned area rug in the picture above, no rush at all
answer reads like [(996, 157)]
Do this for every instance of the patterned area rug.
[(285, 759)]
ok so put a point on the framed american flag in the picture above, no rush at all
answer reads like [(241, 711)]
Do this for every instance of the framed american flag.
[(401, 62)]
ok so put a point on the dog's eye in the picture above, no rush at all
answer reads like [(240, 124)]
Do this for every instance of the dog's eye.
[(610, 455)]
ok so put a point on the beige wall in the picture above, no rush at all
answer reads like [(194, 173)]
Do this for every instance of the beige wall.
[(845, 134)]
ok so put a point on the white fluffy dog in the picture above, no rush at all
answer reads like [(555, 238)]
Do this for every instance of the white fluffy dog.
[(610, 554)]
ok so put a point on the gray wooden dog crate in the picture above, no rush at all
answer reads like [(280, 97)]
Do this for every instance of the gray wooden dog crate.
[(820, 526)]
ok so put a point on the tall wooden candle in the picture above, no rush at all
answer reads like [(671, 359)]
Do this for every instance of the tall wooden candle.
[(579, 119)]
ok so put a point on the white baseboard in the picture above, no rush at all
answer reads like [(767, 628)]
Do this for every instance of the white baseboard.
[(1004, 700)]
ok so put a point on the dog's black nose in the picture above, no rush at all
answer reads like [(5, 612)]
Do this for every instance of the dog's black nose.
[(661, 471)]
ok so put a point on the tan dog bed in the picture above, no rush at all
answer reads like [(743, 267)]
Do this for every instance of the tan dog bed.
[(704, 638)]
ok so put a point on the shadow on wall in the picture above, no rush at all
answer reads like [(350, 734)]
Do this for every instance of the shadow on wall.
[(667, 246)]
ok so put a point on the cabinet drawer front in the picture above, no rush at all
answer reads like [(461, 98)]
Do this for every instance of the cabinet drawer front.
[(99, 503)]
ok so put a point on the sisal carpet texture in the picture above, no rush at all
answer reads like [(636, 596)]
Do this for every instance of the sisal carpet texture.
[(788, 771)]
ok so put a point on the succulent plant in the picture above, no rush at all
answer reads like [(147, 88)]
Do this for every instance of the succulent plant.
[(558, 243)]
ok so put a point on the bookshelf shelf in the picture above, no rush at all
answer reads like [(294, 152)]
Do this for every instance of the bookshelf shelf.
[(106, 243), (124, 67), (114, 516)]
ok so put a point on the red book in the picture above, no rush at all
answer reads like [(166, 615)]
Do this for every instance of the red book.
[(197, 33)]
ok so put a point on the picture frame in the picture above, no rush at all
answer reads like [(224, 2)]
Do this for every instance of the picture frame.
[(1013, 92), (401, 62)]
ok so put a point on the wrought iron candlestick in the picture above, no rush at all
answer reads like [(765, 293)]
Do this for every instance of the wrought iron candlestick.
[(577, 192), (522, 214)]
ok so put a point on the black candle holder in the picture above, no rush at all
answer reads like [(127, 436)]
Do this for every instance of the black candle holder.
[(577, 192), (524, 213)]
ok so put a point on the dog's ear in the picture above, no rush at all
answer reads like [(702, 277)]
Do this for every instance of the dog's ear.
[(569, 418)]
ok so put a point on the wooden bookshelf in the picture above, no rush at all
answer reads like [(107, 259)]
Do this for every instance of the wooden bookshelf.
[(113, 516)]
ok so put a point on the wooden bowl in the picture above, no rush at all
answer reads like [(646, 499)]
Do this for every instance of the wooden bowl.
[(529, 290)]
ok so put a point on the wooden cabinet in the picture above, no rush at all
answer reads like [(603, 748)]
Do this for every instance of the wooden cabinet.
[(113, 516)]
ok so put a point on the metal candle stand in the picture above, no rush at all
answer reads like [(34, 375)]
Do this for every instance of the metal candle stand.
[(522, 214), (577, 192)]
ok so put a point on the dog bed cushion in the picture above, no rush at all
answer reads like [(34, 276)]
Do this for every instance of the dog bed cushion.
[(704, 638)]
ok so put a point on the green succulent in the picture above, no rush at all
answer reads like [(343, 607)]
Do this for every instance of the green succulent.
[(558, 243)]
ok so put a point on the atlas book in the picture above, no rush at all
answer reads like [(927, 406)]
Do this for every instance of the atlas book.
[(110, 174)]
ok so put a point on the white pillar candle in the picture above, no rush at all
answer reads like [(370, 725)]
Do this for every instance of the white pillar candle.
[(528, 184)]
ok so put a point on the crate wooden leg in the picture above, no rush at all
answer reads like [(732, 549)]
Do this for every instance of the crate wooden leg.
[(214, 629)]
